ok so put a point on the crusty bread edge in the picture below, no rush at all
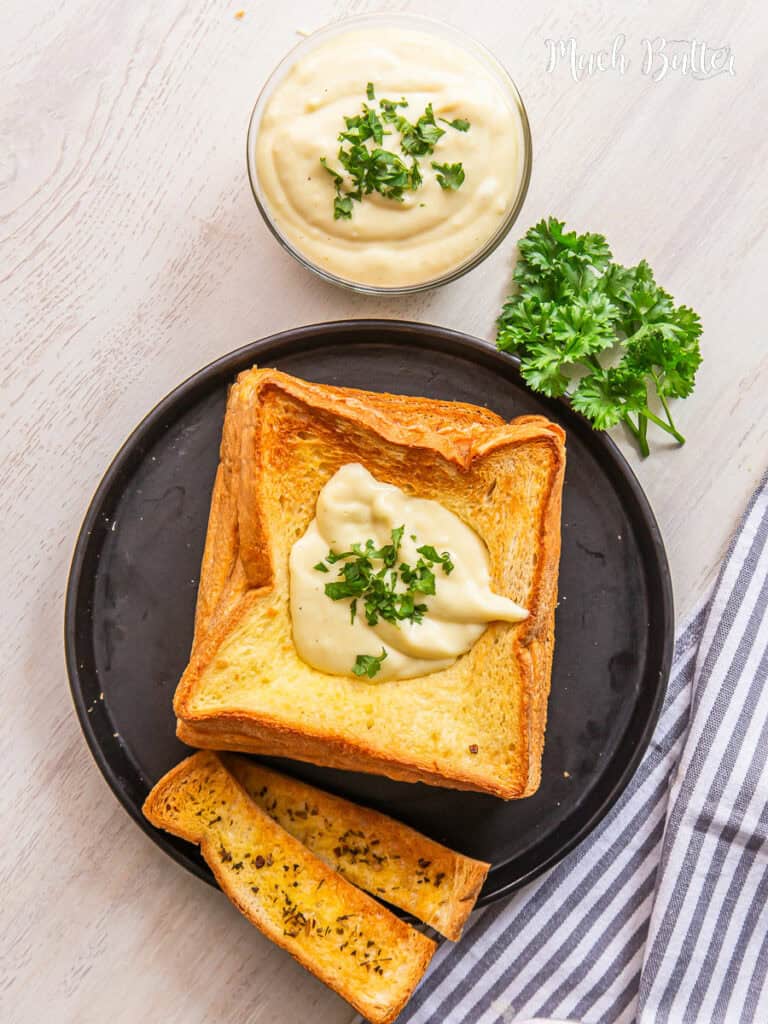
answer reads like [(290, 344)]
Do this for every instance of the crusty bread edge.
[(152, 810), (541, 640), (231, 731)]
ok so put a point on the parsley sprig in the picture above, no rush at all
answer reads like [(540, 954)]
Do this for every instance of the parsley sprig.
[(573, 305), (371, 577), (370, 168)]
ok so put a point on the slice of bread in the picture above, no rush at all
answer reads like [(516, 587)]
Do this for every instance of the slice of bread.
[(477, 725), (381, 855), (348, 940)]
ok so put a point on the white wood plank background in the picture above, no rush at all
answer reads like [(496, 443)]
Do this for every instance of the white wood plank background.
[(132, 254)]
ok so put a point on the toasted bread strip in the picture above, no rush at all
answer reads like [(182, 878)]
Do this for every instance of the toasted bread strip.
[(348, 940), (381, 855)]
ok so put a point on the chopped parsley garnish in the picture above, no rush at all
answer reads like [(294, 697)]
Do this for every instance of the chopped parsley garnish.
[(421, 138), (368, 664), (458, 123), (450, 176), (387, 588), (363, 127), (342, 208), (368, 167), (389, 109), (432, 556)]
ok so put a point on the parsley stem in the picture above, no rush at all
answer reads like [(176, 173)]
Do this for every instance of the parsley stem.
[(665, 407), (664, 426), (662, 399), (635, 432), (643, 424)]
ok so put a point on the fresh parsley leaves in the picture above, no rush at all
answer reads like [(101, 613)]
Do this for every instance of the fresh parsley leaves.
[(433, 558), (450, 176), (389, 109), (458, 123), (362, 127), (421, 138), (604, 334), (367, 167), (342, 208), (387, 588), (368, 664)]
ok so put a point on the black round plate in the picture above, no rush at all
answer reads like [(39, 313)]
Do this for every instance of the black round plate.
[(132, 587)]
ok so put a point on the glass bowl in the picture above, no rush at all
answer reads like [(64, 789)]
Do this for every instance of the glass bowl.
[(415, 23)]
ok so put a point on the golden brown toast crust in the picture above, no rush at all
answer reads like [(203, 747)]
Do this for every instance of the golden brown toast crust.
[(444, 446), (369, 956), (385, 857)]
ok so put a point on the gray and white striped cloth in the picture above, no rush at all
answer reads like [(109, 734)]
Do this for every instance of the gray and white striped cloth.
[(661, 915)]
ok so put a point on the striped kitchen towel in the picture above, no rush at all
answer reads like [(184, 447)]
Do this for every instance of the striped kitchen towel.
[(661, 915)]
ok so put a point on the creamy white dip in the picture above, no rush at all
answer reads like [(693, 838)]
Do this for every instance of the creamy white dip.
[(353, 507), (388, 243)]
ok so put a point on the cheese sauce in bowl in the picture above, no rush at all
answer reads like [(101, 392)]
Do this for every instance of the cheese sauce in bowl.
[(424, 198)]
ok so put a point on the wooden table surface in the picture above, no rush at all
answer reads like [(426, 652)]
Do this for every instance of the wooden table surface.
[(132, 254)]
